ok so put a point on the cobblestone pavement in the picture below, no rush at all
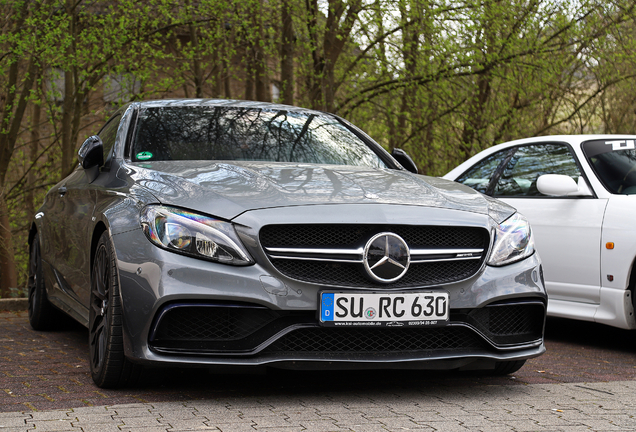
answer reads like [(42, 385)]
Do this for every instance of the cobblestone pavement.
[(537, 407), (586, 381)]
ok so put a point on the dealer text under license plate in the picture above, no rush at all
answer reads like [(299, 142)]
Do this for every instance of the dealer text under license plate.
[(385, 309)]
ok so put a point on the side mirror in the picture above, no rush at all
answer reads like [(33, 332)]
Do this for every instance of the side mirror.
[(404, 159), (91, 153), (91, 157), (562, 185)]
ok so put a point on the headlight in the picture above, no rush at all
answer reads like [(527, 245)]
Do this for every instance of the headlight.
[(513, 241), (193, 234)]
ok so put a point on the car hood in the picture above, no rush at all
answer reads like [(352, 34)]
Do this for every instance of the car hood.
[(226, 190)]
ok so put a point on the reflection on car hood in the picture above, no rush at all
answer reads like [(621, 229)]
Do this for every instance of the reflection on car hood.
[(226, 189)]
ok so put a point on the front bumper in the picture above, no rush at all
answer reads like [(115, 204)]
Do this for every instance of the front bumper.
[(250, 334), (165, 296)]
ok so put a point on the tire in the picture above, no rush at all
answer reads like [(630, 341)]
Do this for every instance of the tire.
[(42, 314), (109, 366), (508, 367)]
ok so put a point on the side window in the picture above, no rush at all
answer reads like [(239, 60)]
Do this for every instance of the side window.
[(108, 134), (478, 177), (519, 177)]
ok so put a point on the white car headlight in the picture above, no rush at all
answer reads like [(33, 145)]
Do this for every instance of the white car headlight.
[(193, 234), (513, 241)]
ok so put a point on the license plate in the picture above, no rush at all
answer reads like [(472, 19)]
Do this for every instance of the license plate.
[(384, 309)]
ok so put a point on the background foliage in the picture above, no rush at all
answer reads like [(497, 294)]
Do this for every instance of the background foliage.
[(441, 79)]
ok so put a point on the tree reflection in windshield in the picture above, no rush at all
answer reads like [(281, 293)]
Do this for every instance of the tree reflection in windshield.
[(246, 134)]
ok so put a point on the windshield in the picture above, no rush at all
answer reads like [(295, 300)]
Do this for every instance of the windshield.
[(246, 134), (614, 162)]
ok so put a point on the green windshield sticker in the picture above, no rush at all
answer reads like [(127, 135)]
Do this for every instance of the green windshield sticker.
[(144, 155)]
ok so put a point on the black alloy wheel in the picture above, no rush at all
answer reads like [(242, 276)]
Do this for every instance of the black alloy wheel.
[(109, 367), (42, 314)]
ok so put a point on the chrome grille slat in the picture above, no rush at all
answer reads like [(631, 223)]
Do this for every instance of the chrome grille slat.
[(356, 255)]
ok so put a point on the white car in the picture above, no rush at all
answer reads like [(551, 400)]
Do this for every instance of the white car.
[(579, 194)]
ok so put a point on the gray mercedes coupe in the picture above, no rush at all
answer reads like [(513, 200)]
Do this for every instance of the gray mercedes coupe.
[(228, 233)]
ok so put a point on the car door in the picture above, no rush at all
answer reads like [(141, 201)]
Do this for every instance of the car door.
[(567, 230), (79, 202), (75, 207)]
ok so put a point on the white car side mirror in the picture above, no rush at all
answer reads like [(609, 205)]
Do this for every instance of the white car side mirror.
[(562, 185)]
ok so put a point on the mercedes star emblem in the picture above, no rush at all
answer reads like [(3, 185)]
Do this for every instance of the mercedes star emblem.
[(386, 257)]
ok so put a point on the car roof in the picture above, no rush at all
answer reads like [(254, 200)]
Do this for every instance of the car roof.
[(570, 139), (230, 103)]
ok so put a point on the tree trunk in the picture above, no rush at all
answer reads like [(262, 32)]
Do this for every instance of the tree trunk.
[(410, 51), (338, 28), (66, 127), (287, 55), (261, 80), (249, 76), (196, 62), (261, 77), (11, 121), (313, 80), (8, 271), (33, 154)]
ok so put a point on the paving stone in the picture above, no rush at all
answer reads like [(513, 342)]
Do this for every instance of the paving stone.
[(184, 424), (603, 425), (148, 420), (525, 425), (351, 419), (365, 428), (140, 411), (51, 415), (491, 428), (236, 427), (17, 429), (398, 423), (206, 409), (98, 427), (279, 428), (82, 419), (552, 421), (426, 416), (447, 427), (474, 421), (7, 422), (580, 428), (184, 414), (318, 424), (376, 411), (323, 428), (145, 429), (270, 421), (200, 428), (52, 425), (230, 417)]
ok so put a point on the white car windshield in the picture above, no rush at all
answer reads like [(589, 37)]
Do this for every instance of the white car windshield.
[(614, 162)]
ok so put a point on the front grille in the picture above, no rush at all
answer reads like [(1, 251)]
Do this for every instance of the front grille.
[(340, 235), (240, 329), (377, 340), (351, 275), (350, 237)]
